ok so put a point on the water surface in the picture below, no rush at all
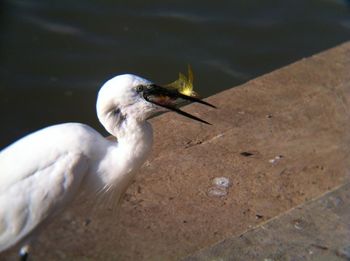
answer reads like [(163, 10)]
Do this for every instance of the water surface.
[(54, 55)]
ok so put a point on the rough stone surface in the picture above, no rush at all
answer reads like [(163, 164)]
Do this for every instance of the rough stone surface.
[(318, 230), (281, 140)]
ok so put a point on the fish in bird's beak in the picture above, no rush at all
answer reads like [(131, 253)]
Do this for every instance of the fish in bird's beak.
[(168, 96)]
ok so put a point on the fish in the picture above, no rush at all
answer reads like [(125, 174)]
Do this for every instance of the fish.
[(177, 94), (184, 84)]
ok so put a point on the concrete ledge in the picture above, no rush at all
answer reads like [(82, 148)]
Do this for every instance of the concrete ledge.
[(281, 140), (318, 230)]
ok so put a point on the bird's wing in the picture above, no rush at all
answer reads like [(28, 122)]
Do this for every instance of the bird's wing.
[(37, 179)]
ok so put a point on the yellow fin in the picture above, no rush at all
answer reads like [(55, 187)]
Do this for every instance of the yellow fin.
[(184, 84)]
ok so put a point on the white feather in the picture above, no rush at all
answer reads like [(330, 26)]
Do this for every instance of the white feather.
[(41, 173)]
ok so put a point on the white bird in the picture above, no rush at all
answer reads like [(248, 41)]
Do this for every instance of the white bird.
[(41, 173)]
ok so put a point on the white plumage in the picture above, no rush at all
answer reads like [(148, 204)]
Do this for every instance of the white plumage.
[(41, 173)]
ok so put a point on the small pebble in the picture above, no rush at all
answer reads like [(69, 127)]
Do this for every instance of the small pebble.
[(222, 182), (217, 192), (219, 188), (298, 224), (277, 158)]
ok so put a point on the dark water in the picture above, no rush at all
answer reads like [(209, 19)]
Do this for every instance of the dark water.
[(54, 55)]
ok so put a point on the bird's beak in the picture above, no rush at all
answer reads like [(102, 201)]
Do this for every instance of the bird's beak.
[(167, 98)]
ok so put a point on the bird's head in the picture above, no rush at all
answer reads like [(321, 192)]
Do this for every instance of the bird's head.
[(130, 96)]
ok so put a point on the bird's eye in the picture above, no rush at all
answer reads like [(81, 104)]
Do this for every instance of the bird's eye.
[(139, 88), (116, 111)]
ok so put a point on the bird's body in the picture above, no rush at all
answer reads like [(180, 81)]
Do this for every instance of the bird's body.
[(59, 173), (41, 173)]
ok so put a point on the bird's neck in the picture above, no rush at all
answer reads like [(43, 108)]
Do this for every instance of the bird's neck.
[(135, 141), (117, 168)]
